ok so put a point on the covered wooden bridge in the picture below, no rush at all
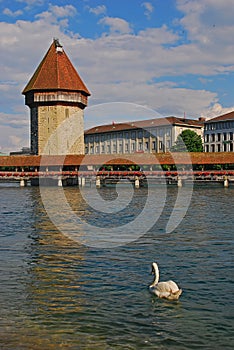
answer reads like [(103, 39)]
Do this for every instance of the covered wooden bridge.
[(72, 169)]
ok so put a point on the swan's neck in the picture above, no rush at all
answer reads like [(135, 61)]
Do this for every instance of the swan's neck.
[(156, 274)]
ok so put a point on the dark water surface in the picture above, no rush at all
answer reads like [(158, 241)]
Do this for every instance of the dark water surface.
[(58, 294)]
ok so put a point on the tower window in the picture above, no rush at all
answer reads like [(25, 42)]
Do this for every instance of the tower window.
[(66, 113)]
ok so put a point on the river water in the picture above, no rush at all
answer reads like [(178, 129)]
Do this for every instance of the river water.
[(57, 293)]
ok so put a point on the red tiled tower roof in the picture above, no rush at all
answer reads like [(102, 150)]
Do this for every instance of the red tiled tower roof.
[(56, 72)]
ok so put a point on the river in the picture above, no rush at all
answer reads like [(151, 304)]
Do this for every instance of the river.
[(61, 293)]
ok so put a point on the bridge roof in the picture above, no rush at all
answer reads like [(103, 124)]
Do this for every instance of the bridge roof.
[(138, 158)]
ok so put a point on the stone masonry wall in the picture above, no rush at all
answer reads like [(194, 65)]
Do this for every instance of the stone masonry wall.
[(60, 130)]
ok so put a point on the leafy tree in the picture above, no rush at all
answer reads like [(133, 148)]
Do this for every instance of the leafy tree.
[(188, 141)]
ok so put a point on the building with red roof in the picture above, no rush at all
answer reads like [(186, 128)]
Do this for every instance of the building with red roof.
[(218, 133), (144, 136), (56, 96)]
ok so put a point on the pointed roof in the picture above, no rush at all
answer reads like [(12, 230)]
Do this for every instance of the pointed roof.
[(56, 72)]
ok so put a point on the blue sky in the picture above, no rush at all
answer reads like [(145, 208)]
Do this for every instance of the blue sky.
[(170, 57)]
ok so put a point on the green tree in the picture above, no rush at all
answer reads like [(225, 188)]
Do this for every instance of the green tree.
[(188, 141)]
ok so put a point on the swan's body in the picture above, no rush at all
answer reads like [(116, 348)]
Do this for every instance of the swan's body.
[(168, 290)]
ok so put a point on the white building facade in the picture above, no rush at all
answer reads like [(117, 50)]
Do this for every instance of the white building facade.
[(218, 133), (146, 136)]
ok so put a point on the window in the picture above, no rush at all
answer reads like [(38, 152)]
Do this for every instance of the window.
[(154, 145), (133, 147), (140, 146), (219, 137), (212, 137), (146, 146), (161, 131), (126, 147), (168, 132)]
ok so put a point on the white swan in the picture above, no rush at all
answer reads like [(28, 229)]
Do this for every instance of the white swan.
[(168, 290)]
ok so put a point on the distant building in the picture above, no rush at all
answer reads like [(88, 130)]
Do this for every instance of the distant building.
[(218, 133), (24, 151), (145, 136), (54, 94)]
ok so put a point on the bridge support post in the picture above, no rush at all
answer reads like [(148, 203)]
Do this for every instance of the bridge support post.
[(98, 182), (179, 182), (226, 182), (137, 182), (81, 181), (23, 182), (60, 182)]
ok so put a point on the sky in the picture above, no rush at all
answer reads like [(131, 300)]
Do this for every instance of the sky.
[(168, 57)]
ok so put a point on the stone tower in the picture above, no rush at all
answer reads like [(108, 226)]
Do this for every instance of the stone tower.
[(56, 96)]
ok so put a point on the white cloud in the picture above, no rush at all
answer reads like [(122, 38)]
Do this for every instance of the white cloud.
[(55, 13), (216, 110), (13, 120), (14, 132), (30, 3), (99, 10), (209, 24), (10, 13), (165, 99), (121, 65), (117, 25), (148, 9)]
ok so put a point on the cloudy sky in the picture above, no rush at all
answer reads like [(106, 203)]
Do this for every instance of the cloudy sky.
[(175, 57)]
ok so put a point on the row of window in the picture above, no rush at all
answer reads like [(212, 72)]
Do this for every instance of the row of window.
[(219, 125), (219, 137), (127, 135), (125, 148), (219, 147)]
